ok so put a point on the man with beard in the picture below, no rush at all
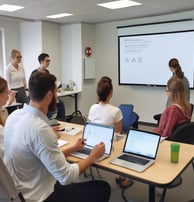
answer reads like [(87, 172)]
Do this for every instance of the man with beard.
[(38, 167)]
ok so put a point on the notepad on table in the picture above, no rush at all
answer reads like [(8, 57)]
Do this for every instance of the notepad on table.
[(68, 130), (61, 142)]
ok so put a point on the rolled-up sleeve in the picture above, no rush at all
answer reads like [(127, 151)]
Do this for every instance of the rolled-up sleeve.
[(54, 159)]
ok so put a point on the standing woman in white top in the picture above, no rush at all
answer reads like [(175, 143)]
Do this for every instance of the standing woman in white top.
[(15, 76), (6, 98)]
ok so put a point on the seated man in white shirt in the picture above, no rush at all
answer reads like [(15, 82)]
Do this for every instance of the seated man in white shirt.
[(38, 167)]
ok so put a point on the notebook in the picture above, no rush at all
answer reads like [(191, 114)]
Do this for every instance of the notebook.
[(139, 151), (94, 134)]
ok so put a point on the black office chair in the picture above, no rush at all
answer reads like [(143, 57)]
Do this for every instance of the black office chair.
[(8, 191), (184, 133)]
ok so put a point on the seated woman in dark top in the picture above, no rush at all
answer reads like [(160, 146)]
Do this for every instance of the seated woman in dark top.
[(177, 112)]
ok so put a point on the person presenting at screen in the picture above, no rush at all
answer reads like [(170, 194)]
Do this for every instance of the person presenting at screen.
[(176, 69), (178, 111)]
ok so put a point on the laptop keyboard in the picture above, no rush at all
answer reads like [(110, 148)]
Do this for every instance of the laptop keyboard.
[(85, 151), (133, 159)]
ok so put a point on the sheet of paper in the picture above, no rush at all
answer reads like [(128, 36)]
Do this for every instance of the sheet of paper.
[(70, 130), (61, 142), (162, 139)]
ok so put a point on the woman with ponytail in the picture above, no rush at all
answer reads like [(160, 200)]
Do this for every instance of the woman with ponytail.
[(175, 68)]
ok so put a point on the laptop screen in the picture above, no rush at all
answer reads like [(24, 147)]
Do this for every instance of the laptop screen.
[(96, 133), (142, 143)]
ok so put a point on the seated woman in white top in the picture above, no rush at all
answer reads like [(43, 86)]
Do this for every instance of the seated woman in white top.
[(6, 98), (105, 113)]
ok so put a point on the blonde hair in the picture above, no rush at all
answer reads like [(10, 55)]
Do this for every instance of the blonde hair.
[(12, 53), (178, 95), (3, 87)]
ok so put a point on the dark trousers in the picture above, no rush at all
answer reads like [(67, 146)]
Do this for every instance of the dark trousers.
[(91, 191), (60, 110)]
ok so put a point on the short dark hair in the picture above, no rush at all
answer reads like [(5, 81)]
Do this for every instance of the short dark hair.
[(104, 88), (42, 56), (39, 84)]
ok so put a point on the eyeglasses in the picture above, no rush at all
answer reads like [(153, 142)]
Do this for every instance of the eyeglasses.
[(18, 57)]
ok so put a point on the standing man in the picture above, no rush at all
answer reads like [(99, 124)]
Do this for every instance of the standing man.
[(44, 61), (38, 167)]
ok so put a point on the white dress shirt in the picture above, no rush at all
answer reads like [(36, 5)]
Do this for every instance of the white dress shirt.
[(32, 155), (16, 78)]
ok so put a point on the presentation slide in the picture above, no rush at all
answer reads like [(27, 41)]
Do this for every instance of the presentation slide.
[(143, 58)]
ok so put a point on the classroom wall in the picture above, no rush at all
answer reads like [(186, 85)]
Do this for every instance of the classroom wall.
[(102, 38), (11, 29), (146, 100), (38, 37), (51, 44)]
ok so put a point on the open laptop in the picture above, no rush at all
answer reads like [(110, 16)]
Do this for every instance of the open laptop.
[(139, 151), (94, 134)]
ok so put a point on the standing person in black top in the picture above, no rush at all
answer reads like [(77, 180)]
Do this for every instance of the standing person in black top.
[(44, 61)]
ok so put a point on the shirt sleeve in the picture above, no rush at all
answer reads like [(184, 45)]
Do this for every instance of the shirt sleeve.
[(53, 159), (118, 116), (7, 76), (90, 114)]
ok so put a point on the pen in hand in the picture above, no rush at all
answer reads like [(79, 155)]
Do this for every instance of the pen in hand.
[(66, 129)]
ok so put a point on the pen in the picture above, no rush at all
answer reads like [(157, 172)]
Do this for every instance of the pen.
[(63, 129)]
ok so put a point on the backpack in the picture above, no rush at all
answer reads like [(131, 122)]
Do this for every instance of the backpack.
[(78, 118)]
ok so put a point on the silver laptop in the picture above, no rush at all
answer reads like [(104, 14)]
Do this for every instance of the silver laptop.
[(94, 134), (139, 151)]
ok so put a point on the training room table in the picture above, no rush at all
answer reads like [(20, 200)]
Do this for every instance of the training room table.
[(162, 172), (73, 94)]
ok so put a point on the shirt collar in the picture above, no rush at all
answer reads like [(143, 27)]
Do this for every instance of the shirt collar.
[(33, 110)]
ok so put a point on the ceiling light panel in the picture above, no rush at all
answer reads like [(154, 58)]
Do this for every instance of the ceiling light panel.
[(60, 15), (10, 8), (119, 4)]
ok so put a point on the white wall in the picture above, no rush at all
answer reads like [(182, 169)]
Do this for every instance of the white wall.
[(102, 37), (51, 44), (147, 100), (38, 37), (71, 54), (11, 29), (31, 45)]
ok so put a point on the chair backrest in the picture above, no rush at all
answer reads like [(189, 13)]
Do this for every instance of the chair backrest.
[(184, 133), (8, 191), (129, 117), (191, 109)]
